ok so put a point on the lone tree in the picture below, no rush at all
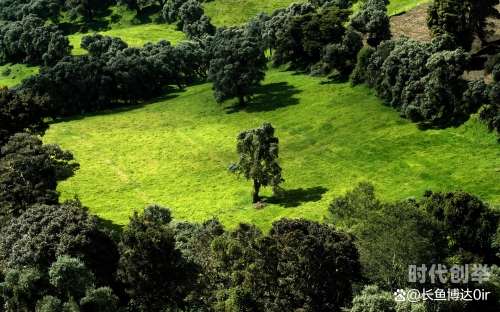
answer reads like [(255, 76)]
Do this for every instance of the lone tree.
[(258, 149), (237, 64)]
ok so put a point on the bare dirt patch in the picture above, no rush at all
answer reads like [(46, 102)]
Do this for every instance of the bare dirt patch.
[(412, 23)]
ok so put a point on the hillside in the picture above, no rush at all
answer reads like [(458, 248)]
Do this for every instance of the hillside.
[(175, 150)]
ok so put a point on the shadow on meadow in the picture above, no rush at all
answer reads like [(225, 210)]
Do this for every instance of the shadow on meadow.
[(269, 97), (120, 109), (294, 198), (116, 229)]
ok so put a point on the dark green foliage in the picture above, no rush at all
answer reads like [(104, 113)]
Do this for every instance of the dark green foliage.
[(158, 214), (224, 279), (421, 80), (199, 28), (256, 29), (303, 40), (16, 10), (461, 19), (155, 275), (171, 10), (358, 75), (33, 42), (101, 299), (73, 86), (20, 290), (189, 12), (49, 304), (29, 172), (115, 75), (197, 249), (66, 283), (372, 298), (492, 61), (85, 8), (477, 94), (354, 206), (21, 112), (400, 236), (372, 20), (97, 44), (258, 150), (30, 240), (491, 113), (470, 224), (70, 278), (280, 20), (237, 64), (304, 266), (342, 56)]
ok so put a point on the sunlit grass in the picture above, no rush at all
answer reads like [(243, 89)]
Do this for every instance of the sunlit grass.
[(11, 74), (175, 151), (134, 36), (400, 6)]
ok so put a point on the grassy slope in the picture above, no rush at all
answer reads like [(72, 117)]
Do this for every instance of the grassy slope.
[(17, 73), (134, 29), (175, 151)]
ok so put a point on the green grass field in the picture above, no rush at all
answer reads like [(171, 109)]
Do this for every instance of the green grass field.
[(11, 74), (175, 151)]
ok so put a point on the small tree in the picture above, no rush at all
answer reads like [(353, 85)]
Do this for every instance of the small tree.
[(258, 149)]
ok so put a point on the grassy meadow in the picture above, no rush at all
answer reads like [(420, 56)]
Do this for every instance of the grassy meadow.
[(174, 150)]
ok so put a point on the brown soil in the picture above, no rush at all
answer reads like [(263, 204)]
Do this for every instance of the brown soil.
[(411, 24)]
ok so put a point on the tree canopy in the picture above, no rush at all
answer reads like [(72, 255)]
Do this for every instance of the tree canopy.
[(237, 64)]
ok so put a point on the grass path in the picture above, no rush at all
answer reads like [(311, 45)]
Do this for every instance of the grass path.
[(175, 151)]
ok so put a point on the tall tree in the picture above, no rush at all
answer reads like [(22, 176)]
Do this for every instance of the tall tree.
[(237, 64), (258, 150), (462, 19)]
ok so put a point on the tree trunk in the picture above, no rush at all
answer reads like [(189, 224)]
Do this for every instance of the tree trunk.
[(241, 99), (256, 188)]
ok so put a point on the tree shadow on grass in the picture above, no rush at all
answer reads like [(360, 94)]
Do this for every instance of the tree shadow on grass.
[(336, 78), (294, 198), (116, 110), (269, 97), (116, 229), (84, 27)]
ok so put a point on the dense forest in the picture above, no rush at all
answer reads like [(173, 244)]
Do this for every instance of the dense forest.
[(368, 254)]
